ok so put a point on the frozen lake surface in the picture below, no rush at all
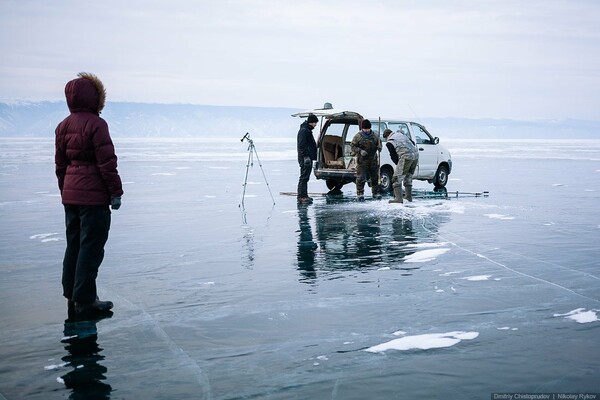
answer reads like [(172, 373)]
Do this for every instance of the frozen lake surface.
[(445, 298)]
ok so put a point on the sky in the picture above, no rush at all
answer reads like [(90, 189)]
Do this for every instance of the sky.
[(535, 59)]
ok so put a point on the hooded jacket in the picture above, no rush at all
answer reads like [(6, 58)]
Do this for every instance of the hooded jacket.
[(305, 144), (85, 160)]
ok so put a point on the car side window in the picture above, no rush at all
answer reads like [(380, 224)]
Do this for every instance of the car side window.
[(421, 136), (398, 127)]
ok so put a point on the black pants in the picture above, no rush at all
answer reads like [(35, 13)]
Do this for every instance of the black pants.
[(305, 171), (87, 233)]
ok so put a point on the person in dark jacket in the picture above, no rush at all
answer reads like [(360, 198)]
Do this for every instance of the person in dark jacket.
[(307, 153), (86, 168)]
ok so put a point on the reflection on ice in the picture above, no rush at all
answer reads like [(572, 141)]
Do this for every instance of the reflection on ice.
[(343, 234)]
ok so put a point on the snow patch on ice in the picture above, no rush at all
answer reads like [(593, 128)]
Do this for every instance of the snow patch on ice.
[(55, 366), (45, 237), (424, 342), (451, 273), (425, 255), (558, 184), (580, 315), (163, 174), (498, 216), (384, 269), (478, 278), (426, 245)]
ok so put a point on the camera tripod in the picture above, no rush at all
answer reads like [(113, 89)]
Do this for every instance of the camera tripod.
[(251, 153)]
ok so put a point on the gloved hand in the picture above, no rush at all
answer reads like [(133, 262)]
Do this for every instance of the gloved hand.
[(307, 161), (364, 153), (115, 202)]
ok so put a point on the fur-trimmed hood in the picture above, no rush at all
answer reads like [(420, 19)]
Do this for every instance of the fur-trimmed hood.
[(86, 93)]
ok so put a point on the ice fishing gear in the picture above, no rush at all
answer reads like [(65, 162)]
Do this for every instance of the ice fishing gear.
[(251, 153)]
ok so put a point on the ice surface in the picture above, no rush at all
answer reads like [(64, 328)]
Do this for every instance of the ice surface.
[(281, 302)]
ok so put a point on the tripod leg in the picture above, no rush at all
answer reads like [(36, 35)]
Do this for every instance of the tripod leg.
[(246, 178), (263, 173)]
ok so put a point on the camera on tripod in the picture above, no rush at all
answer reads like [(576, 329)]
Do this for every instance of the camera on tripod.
[(251, 154)]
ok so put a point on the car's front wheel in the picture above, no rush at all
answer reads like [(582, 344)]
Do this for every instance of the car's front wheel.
[(441, 176)]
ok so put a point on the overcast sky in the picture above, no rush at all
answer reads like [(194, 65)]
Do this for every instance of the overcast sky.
[(534, 59)]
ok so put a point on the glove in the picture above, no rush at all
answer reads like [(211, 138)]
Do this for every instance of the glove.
[(307, 161), (364, 153), (115, 202)]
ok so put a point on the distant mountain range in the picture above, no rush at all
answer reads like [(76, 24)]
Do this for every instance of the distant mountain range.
[(39, 119)]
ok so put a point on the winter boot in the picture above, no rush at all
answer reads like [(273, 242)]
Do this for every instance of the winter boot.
[(397, 194), (376, 192), (408, 192), (96, 306)]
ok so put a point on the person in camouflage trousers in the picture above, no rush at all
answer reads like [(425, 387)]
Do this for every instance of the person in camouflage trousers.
[(404, 153), (366, 147)]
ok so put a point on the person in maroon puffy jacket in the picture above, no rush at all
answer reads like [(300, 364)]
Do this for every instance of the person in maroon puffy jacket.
[(89, 183)]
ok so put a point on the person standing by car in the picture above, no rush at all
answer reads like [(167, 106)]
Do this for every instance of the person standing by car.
[(366, 147), (307, 152), (405, 154), (86, 168)]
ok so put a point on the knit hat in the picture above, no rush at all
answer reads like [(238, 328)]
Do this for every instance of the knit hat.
[(366, 124), (312, 118)]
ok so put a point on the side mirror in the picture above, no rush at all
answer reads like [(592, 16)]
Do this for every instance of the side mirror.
[(436, 140)]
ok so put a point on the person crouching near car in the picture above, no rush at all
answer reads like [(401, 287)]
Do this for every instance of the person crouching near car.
[(405, 154), (366, 147), (307, 152), (86, 168)]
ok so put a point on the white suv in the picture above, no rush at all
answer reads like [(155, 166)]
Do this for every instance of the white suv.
[(337, 166)]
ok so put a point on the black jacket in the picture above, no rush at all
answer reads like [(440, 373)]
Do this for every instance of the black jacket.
[(307, 147)]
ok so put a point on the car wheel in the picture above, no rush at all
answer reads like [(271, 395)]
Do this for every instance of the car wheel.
[(441, 177), (385, 179)]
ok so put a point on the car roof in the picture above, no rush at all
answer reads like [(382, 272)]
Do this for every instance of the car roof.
[(394, 120), (328, 113)]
